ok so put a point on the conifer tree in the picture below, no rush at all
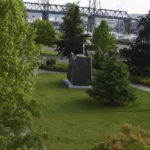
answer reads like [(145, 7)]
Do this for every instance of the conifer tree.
[(72, 31), (18, 61), (104, 44), (111, 81)]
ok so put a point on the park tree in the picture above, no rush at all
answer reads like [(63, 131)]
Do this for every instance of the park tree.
[(138, 55), (111, 83), (104, 44), (72, 32), (111, 80), (18, 61), (45, 32)]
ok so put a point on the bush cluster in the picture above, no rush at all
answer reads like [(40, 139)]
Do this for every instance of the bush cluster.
[(50, 61), (131, 138), (140, 80), (51, 65), (145, 82)]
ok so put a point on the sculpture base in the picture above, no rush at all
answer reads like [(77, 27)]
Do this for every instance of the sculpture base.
[(71, 86)]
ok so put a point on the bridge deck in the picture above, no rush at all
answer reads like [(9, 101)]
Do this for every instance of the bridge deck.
[(62, 9)]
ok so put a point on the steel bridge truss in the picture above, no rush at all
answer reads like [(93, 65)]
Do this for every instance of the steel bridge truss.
[(86, 11)]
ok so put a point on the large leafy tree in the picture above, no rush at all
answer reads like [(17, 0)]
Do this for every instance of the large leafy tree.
[(138, 56), (45, 32), (104, 44), (18, 61), (72, 31)]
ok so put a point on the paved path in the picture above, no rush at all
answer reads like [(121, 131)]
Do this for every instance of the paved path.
[(142, 87), (39, 71)]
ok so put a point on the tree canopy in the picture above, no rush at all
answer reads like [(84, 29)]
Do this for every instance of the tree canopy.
[(138, 55), (111, 83), (72, 31), (102, 38), (45, 32), (19, 59), (104, 44)]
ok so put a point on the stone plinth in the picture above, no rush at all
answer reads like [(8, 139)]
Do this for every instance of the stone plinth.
[(79, 70), (71, 86)]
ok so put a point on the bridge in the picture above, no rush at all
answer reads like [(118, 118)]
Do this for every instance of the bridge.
[(90, 12)]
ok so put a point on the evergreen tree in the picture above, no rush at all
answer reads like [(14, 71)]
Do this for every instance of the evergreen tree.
[(18, 61), (111, 83), (45, 32), (138, 56), (72, 30), (104, 44)]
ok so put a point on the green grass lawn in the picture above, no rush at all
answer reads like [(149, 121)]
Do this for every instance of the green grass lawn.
[(73, 122), (48, 53)]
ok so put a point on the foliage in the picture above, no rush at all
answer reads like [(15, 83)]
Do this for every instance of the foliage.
[(138, 55), (131, 138), (51, 61), (61, 67), (18, 57), (145, 82), (104, 44), (45, 32), (135, 79), (140, 80), (72, 37), (111, 83)]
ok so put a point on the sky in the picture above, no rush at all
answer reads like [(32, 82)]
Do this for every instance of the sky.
[(131, 6)]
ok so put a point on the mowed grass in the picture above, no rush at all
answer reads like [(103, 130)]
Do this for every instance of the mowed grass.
[(73, 122), (48, 53)]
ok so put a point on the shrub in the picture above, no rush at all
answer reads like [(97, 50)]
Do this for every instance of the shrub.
[(145, 82), (50, 61), (135, 79), (111, 83), (140, 80), (62, 67), (131, 138)]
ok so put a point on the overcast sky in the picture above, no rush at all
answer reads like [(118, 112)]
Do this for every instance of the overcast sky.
[(131, 6)]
